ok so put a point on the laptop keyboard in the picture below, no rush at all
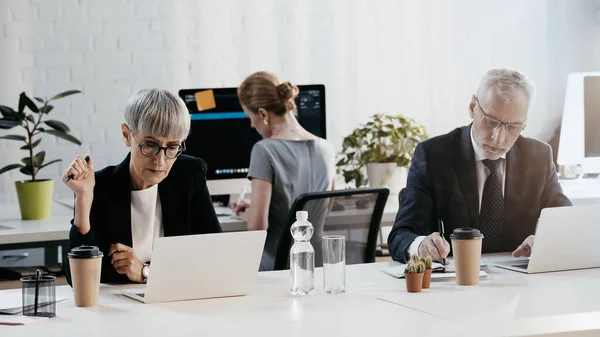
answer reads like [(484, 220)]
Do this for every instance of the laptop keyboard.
[(521, 265), (141, 294)]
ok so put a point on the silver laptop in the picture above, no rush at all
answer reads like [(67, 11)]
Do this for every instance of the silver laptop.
[(566, 238), (202, 266)]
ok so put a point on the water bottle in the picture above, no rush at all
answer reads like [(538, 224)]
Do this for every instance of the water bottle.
[(302, 256)]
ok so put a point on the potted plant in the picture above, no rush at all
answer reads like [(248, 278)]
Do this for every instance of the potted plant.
[(413, 274), (384, 146), (35, 195), (428, 262)]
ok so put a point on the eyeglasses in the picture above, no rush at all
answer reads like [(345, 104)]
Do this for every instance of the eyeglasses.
[(151, 149), (492, 124)]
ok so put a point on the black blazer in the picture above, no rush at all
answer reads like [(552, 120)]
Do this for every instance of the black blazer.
[(184, 198), (442, 184)]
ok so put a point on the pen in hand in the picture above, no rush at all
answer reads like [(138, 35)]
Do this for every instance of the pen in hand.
[(241, 195), (239, 200), (87, 160), (441, 230)]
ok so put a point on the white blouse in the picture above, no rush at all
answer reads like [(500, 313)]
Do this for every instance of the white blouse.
[(146, 221)]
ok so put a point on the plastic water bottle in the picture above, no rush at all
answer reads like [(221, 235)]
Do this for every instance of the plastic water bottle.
[(302, 256)]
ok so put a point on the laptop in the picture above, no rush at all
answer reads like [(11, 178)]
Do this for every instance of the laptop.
[(566, 238), (202, 266)]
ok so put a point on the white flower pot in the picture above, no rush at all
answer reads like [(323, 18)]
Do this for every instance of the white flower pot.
[(388, 175)]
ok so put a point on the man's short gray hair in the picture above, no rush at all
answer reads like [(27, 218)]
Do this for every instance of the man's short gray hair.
[(157, 113), (505, 83)]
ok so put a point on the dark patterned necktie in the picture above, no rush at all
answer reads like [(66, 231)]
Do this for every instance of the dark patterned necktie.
[(491, 216)]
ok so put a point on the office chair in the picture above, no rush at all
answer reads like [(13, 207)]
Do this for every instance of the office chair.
[(354, 213)]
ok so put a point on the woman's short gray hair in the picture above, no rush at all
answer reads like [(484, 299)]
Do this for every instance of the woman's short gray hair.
[(506, 82), (158, 113)]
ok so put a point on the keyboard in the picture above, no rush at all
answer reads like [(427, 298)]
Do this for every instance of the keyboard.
[(223, 211), (523, 265)]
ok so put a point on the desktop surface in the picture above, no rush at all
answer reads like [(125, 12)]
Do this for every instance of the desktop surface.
[(506, 304)]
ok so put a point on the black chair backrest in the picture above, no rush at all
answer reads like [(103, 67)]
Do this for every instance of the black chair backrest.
[(354, 213)]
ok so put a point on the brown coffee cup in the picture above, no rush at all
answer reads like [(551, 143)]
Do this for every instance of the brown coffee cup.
[(466, 249), (86, 266)]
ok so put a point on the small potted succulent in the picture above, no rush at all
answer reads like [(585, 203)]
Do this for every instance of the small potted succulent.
[(428, 262), (413, 274)]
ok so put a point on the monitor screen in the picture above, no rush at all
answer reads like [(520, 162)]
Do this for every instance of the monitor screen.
[(591, 110), (221, 132)]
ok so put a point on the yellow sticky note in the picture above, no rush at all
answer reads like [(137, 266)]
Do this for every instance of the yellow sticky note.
[(205, 100)]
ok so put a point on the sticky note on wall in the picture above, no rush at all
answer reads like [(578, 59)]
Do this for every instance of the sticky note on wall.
[(205, 100)]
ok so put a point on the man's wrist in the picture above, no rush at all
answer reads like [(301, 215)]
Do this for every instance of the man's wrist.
[(413, 249)]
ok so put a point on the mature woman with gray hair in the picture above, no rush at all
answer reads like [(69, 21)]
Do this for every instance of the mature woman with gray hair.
[(156, 191)]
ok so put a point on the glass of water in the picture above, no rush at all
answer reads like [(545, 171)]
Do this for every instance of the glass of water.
[(334, 264)]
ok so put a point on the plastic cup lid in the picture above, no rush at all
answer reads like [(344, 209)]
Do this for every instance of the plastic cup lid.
[(466, 233), (83, 252)]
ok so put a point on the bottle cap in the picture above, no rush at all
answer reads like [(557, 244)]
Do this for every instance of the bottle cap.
[(302, 215)]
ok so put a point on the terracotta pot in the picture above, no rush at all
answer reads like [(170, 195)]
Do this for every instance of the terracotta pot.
[(414, 282), (427, 278)]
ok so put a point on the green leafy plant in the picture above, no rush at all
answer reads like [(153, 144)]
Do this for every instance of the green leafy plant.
[(415, 265), (383, 139), (32, 123)]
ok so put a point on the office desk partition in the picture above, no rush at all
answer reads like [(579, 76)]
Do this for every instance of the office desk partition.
[(507, 304), (49, 233)]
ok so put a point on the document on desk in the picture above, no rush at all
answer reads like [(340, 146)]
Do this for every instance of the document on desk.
[(12, 303), (439, 271), (20, 320)]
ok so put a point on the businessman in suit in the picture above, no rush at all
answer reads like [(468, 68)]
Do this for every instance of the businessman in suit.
[(484, 175)]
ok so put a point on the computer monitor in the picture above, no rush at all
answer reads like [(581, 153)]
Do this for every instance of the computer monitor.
[(222, 136), (579, 138), (591, 112)]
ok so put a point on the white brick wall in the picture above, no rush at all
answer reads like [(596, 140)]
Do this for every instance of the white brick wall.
[(420, 58)]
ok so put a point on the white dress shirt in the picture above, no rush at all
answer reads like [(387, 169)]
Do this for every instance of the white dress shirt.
[(146, 221), (482, 173)]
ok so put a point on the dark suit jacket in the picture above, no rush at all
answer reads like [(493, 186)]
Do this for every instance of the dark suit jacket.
[(184, 198), (442, 184)]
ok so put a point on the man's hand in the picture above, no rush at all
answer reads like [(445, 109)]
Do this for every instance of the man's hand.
[(435, 247), (125, 262), (525, 248)]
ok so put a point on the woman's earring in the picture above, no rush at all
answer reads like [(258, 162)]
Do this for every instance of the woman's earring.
[(266, 122)]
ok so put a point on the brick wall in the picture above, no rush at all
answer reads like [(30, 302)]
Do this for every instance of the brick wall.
[(420, 58)]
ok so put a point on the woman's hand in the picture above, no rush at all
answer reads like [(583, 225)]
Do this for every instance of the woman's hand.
[(240, 207), (125, 262), (79, 176)]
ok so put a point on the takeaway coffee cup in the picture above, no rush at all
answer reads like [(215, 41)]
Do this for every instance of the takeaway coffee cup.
[(466, 249), (86, 265)]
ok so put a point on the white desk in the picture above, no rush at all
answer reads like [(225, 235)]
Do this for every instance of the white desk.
[(375, 304), (582, 191)]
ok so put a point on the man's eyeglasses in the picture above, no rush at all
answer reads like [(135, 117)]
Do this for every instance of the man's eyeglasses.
[(492, 124), (151, 149)]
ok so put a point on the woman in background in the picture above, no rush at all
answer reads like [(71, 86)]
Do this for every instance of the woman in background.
[(288, 162)]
